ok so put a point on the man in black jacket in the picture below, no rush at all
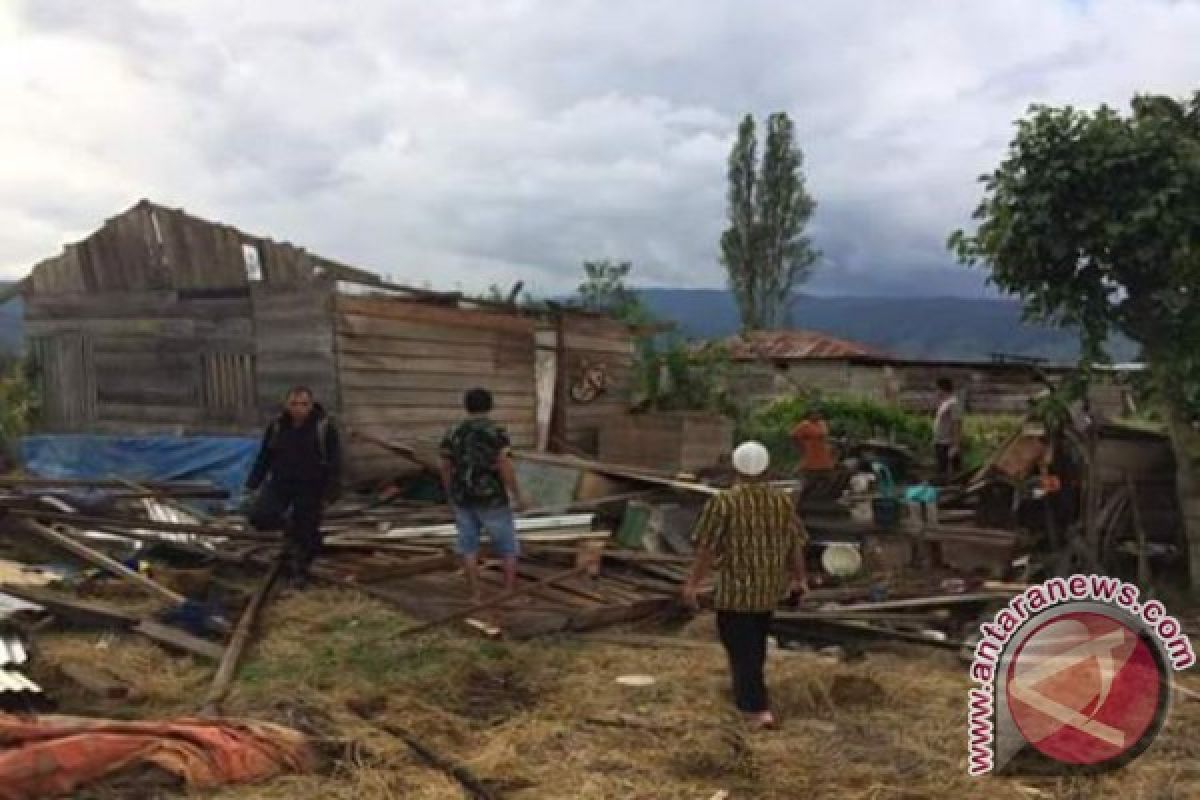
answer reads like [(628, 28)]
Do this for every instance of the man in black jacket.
[(300, 462)]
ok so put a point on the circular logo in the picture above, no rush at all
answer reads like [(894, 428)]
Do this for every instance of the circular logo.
[(1086, 689)]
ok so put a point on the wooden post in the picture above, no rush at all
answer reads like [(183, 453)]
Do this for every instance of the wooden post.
[(558, 417), (75, 520), (237, 645), (1143, 561)]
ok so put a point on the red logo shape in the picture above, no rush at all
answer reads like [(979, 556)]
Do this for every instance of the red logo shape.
[(1084, 688)]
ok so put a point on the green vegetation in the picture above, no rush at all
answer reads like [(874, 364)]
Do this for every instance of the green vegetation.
[(1093, 219), (857, 419), (851, 418), (984, 434), (669, 375), (18, 404)]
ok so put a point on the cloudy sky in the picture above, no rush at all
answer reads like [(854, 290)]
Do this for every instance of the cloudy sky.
[(471, 142)]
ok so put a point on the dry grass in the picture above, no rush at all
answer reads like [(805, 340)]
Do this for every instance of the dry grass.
[(518, 716)]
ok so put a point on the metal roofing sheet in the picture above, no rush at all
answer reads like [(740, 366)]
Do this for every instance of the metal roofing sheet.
[(794, 345), (12, 650), (13, 681)]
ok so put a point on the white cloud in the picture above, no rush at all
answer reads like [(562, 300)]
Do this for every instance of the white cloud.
[(484, 141)]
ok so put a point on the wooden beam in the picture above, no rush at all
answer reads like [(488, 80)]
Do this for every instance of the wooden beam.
[(102, 561), (630, 473), (94, 614), (140, 524), (173, 638), (232, 656)]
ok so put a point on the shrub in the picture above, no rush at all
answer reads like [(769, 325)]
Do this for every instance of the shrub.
[(671, 376), (852, 418), (18, 405), (858, 419)]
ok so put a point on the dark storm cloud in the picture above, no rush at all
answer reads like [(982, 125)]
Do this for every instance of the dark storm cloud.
[(486, 141)]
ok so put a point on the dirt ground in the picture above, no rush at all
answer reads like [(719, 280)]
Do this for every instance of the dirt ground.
[(547, 719)]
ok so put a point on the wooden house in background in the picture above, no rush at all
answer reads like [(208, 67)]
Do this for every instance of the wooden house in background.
[(161, 322), (768, 365)]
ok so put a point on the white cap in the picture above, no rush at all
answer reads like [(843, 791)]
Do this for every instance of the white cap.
[(751, 459)]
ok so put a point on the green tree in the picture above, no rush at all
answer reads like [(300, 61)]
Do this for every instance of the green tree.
[(604, 289), (1093, 219), (764, 249)]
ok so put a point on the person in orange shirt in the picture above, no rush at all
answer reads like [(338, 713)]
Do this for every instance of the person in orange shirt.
[(812, 440)]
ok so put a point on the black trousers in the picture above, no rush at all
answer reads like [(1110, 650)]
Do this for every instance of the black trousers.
[(744, 635), (947, 467), (297, 507)]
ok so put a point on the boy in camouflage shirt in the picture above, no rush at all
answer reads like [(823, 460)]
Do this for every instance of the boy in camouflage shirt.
[(479, 478)]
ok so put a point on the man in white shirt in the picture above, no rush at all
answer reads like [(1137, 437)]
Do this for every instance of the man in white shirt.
[(947, 432)]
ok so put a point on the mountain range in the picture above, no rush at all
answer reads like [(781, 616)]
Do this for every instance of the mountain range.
[(943, 328)]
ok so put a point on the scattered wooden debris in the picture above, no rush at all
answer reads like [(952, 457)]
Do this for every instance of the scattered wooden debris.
[(96, 680), (232, 656), (98, 559)]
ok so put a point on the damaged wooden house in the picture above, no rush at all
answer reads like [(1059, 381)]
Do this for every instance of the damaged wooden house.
[(164, 323)]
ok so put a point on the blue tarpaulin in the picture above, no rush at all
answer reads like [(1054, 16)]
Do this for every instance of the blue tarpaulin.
[(223, 461)]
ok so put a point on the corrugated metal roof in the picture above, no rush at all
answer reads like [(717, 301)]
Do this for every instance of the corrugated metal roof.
[(13, 681), (795, 345), (10, 605), (14, 655), (12, 651)]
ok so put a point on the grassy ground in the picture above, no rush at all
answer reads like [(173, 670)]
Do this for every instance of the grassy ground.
[(527, 717)]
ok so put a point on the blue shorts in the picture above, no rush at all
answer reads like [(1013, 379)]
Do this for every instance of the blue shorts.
[(499, 523)]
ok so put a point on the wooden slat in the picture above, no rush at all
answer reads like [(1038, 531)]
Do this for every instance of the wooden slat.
[(438, 315), (164, 345), (424, 349), (157, 305), (182, 395), (113, 327), (295, 341), (616, 346), (150, 413), (383, 416), (444, 398), (420, 366), (394, 381), (173, 366), (430, 433), (354, 325)]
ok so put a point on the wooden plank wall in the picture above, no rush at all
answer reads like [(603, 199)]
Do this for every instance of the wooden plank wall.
[(403, 367), (673, 441), (591, 342), (143, 360), (293, 345), (65, 379)]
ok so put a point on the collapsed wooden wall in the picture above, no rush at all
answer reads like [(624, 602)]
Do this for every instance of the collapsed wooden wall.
[(403, 366)]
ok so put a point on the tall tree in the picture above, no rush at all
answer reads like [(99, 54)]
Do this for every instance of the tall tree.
[(1093, 219), (764, 249)]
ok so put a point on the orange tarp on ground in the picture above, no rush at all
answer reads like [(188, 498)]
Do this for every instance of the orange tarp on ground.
[(50, 756)]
